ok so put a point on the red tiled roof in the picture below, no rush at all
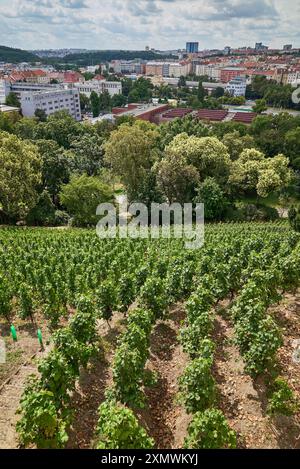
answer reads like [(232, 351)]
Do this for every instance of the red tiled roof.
[(99, 77), (72, 77), (20, 76), (38, 73)]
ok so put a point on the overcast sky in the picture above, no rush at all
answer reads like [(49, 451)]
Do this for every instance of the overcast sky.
[(162, 24)]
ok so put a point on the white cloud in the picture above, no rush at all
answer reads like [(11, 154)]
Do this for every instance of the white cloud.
[(132, 24)]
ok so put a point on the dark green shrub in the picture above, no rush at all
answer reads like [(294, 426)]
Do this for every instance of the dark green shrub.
[(294, 218), (118, 428), (43, 214), (197, 386), (209, 430), (282, 400)]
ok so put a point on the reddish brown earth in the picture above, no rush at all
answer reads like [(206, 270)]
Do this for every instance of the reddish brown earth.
[(21, 362)]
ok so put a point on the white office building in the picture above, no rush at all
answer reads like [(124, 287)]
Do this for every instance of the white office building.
[(99, 86), (236, 87), (20, 87), (51, 101), (4, 90), (293, 77)]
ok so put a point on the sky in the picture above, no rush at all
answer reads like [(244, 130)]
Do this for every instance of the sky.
[(135, 24)]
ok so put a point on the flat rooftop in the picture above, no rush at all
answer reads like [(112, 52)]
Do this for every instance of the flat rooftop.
[(5, 108), (136, 110)]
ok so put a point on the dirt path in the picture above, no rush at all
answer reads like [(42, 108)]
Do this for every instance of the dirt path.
[(165, 420), (91, 387), (10, 395), (27, 345)]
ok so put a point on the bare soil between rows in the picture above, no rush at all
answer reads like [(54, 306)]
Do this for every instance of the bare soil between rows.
[(164, 418)]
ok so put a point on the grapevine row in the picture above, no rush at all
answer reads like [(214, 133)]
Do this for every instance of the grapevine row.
[(45, 403)]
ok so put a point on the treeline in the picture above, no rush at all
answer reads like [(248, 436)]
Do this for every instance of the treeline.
[(274, 94), (57, 169), (11, 55), (96, 57)]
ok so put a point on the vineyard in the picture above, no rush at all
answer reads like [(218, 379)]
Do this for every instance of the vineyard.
[(136, 343)]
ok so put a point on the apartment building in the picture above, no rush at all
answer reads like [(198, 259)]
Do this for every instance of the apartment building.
[(66, 77), (212, 71), (178, 70), (51, 101), (229, 73), (169, 69), (128, 67), (155, 68), (20, 87), (73, 77)]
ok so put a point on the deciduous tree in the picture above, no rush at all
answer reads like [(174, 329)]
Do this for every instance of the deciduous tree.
[(20, 175)]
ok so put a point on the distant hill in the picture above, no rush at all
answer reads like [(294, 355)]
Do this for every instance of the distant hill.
[(97, 57), (9, 54)]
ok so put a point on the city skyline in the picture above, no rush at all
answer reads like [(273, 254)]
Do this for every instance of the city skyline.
[(134, 24)]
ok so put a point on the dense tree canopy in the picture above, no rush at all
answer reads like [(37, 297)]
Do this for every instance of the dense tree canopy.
[(12, 100), (130, 153), (292, 146), (6, 123), (20, 175), (274, 94), (253, 173), (87, 153), (60, 127), (56, 165), (81, 197), (27, 128), (207, 154), (187, 125), (236, 144), (186, 159), (176, 177)]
